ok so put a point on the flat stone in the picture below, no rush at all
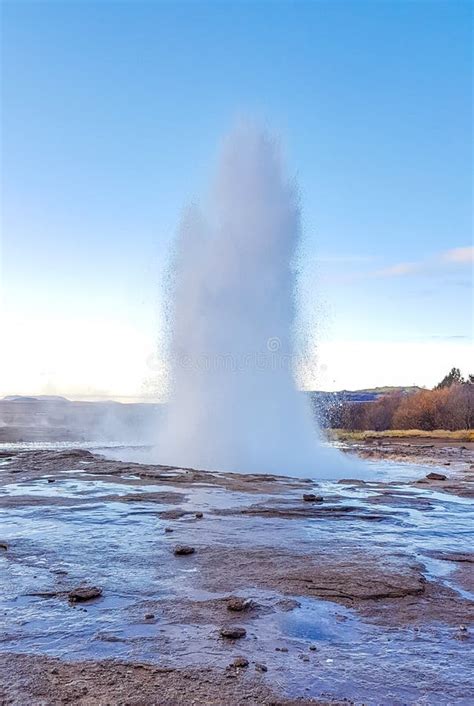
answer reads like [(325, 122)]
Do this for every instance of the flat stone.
[(436, 476), (233, 632), (312, 498), (183, 550), (351, 481), (105, 636), (84, 593)]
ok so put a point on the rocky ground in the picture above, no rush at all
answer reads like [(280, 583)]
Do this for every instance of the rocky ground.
[(127, 583)]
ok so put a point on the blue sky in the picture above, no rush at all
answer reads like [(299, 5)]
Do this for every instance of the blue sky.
[(113, 112)]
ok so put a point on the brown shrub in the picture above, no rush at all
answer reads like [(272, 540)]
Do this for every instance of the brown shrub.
[(448, 408)]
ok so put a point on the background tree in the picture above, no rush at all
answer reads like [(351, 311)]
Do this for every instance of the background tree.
[(454, 377)]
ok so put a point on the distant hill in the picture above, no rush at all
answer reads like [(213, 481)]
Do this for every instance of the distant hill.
[(366, 395), (378, 391), (22, 398), (363, 395), (19, 398), (55, 418), (324, 403)]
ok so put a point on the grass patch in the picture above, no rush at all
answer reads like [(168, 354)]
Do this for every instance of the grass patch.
[(345, 435)]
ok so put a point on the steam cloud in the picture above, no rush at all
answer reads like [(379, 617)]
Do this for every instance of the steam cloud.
[(234, 405)]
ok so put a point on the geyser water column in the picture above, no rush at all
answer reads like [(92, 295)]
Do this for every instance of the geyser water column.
[(233, 401)]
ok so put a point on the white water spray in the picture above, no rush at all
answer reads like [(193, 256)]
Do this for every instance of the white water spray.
[(234, 405)]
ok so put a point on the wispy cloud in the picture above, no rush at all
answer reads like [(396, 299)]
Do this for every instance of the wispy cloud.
[(455, 256), (403, 268), (443, 264), (460, 255)]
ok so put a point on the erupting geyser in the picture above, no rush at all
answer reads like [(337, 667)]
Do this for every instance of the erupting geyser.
[(233, 401)]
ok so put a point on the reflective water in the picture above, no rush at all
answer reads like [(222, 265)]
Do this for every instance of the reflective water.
[(122, 547)]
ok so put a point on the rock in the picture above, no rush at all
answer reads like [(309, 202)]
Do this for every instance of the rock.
[(240, 662), (238, 604), (304, 658), (461, 635), (149, 616), (84, 593), (233, 632), (55, 670), (436, 476), (4, 546), (51, 480), (351, 481), (447, 463), (287, 604), (107, 637), (281, 649), (76, 453), (261, 667), (313, 648), (199, 515), (183, 550), (312, 498), (172, 514), (169, 529)]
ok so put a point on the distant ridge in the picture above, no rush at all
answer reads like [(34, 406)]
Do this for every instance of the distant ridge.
[(55, 418), (386, 390), (363, 395)]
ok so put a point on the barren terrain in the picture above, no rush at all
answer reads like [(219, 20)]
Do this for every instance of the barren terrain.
[(127, 583)]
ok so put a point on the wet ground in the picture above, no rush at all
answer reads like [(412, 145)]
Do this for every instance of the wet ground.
[(363, 592)]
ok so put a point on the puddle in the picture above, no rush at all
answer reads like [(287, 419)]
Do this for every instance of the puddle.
[(320, 622), (78, 488), (372, 664)]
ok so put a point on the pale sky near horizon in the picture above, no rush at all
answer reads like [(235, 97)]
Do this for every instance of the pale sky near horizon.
[(112, 115)]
